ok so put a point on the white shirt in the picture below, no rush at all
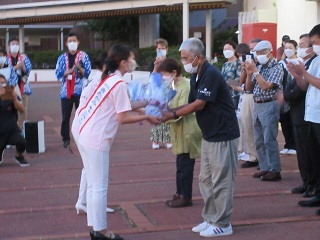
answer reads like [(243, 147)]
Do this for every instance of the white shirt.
[(312, 112)]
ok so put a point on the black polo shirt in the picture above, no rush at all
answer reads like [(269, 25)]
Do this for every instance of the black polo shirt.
[(217, 120), (8, 116)]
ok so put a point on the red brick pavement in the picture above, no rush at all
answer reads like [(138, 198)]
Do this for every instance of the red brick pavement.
[(38, 202)]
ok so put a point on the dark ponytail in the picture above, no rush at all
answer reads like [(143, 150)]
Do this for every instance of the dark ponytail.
[(116, 54)]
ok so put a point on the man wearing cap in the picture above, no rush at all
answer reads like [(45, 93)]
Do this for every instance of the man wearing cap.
[(265, 80), (280, 50)]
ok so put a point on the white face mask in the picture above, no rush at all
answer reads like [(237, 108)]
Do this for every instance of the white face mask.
[(14, 48), (2, 60), (167, 79), (302, 52), (189, 68), (289, 52), (72, 46), (316, 49), (132, 65), (263, 59), (228, 53)]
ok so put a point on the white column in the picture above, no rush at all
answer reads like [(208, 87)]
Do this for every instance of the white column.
[(7, 39), (61, 40), (21, 38), (208, 34), (185, 19)]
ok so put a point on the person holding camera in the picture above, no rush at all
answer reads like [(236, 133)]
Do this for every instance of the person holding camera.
[(73, 68), (10, 133)]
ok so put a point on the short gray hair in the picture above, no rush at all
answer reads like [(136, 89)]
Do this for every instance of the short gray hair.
[(192, 45)]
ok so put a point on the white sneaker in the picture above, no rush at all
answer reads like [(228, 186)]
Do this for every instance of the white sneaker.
[(168, 145), (201, 227), (109, 210), (284, 151), (241, 155), (214, 231), (245, 157), (155, 146), (292, 152)]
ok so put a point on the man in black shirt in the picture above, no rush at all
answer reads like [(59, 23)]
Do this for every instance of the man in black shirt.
[(209, 97), (10, 133)]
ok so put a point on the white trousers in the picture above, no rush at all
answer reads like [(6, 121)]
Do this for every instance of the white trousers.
[(96, 165)]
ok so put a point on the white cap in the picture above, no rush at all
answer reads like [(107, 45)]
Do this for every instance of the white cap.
[(262, 45)]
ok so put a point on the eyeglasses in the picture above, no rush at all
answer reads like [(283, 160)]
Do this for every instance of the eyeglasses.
[(3, 84)]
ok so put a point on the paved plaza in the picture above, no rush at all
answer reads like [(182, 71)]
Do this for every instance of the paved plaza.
[(37, 202)]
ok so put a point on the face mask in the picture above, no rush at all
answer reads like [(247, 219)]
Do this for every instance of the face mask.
[(289, 52), (302, 52), (262, 59), (167, 79), (72, 46), (14, 48), (189, 68), (316, 49), (228, 53), (2, 60), (132, 65)]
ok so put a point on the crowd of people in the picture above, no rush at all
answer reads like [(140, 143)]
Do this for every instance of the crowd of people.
[(219, 116)]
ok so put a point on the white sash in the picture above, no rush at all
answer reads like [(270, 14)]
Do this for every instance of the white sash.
[(99, 95)]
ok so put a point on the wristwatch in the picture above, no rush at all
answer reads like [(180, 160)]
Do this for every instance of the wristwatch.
[(255, 74), (175, 116)]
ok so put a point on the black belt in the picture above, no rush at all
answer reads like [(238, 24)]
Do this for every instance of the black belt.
[(248, 92), (264, 100)]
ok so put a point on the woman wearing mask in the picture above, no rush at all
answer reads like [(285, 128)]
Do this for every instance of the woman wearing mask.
[(231, 70), (185, 135), (97, 122), (290, 51)]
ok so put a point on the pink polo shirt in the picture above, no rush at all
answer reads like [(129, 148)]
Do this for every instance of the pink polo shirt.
[(100, 130)]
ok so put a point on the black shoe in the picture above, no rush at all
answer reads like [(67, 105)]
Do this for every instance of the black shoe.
[(249, 164), (66, 143), (98, 236), (318, 212), (22, 162), (313, 202), (310, 192), (271, 176), (299, 190)]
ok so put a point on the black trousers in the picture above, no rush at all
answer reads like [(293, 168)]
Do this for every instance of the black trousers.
[(13, 138), (314, 154), (66, 107), (300, 137), (184, 175), (287, 130)]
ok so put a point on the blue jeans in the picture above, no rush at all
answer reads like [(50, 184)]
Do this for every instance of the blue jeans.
[(265, 125)]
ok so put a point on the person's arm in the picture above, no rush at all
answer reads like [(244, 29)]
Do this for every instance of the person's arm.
[(136, 105), (61, 71), (298, 72), (126, 118), (197, 105), (17, 103)]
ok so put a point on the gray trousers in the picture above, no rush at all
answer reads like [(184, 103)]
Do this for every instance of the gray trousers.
[(216, 180), (265, 123)]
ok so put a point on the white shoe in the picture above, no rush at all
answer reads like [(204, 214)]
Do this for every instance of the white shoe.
[(155, 146), (245, 157), (201, 227), (214, 231), (292, 152), (284, 151), (241, 155), (110, 210), (168, 145)]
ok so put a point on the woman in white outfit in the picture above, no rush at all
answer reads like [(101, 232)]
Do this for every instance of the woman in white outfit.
[(97, 122)]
